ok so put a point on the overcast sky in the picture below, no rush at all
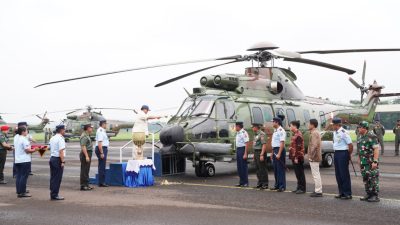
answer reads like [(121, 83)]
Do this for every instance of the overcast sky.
[(46, 40)]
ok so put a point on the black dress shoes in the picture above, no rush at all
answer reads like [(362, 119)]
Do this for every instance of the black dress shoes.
[(346, 197), (103, 185)]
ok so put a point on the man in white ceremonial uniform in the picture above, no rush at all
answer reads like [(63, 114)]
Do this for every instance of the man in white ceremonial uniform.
[(140, 130), (101, 150), (57, 162)]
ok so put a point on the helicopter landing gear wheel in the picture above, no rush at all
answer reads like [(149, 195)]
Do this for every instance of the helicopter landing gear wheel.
[(210, 169), (204, 169)]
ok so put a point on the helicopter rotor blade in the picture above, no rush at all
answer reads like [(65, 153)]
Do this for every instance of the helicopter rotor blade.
[(319, 63), (357, 85), (389, 95), (363, 73), (140, 68), (350, 50), (194, 72)]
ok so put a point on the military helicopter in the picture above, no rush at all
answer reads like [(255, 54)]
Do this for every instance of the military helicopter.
[(203, 128), (37, 128), (74, 123)]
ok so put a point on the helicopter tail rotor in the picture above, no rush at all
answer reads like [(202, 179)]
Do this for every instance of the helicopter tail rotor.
[(363, 89)]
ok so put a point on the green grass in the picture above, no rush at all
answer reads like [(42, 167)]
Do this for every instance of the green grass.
[(389, 136)]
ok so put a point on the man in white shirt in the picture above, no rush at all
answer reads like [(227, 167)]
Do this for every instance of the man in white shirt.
[(102, 143), (278, 156), (242, 139), (57, 162), (141, 126)]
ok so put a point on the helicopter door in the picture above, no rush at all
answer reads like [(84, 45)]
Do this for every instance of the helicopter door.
[(224, 114)]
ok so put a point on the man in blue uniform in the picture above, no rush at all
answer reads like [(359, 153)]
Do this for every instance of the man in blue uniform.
[(101, 150), (57, 162), (343, 147), (242, 139), (278, 156)]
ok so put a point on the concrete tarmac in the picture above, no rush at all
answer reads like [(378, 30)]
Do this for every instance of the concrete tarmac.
[(188, 199)]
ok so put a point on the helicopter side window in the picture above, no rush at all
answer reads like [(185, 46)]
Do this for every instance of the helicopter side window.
[(230, 109), (220, 110), (290, 114), (257, 115), (267, 113), (306, 114)]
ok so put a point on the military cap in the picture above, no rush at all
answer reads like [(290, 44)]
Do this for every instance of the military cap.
[(102, 122), (256, 125), (364, 124), (239, 123), (20, 124), (145, 107), (398, 120), (336, 120)]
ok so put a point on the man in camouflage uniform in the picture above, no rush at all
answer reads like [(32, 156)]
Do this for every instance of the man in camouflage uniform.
[(379, 131), (260, 156), (369, 155), (396, 131)]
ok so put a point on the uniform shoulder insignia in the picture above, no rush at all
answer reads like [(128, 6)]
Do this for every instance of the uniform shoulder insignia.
[(344, 131)]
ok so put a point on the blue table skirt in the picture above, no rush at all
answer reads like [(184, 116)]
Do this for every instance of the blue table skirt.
[(142, 179)]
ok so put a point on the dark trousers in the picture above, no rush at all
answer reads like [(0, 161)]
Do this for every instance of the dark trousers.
[(396, 146), (22, 174), (261, 168), (85, 169), (279, 168), (56, 173), (3, 157), (242, 166), (341, 160), (102, 164), (301, 178)]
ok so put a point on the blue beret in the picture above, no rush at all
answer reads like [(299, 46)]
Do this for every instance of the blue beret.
[(336, 120)]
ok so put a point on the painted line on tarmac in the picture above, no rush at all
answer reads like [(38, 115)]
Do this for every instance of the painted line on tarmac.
[(254, 189)]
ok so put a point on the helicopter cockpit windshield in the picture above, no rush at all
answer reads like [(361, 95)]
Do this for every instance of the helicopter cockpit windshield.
[(200, 107), (203, 108)]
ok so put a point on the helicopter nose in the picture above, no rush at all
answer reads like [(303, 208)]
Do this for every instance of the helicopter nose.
[(172, 135)]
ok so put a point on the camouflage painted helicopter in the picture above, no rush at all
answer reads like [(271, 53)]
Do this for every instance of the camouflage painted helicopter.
[(37, 128), (203, 128), (74, 123)]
